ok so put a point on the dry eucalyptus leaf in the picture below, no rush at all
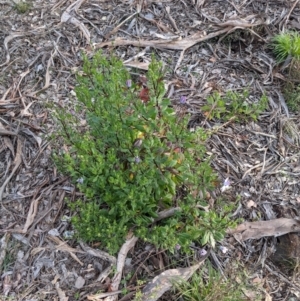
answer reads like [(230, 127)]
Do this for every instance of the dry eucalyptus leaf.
[(274, 227), (164, 282)]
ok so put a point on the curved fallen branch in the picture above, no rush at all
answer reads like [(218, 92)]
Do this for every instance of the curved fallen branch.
[(113, 295)]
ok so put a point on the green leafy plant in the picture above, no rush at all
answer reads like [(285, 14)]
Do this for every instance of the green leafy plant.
[(234, 105), (7, 261), (241, 109), (291, 92), (291, 87), (216, 222), (133, 158), (286, 47), (9, 256), (209, 285), (22, 6), (286, 44), (215, 107), (138, 296)]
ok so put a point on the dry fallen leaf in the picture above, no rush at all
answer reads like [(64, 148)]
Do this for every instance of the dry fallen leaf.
[(7, 285), (257, 280), (61, 293), (251, 204), (256, 230), (164, 281)]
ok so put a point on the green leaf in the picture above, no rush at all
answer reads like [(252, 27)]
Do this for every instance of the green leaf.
[(205, 238)]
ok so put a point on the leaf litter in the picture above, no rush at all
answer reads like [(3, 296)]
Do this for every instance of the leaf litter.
[(206, 47)]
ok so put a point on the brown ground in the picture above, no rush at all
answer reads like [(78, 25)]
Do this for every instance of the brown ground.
[(206, 46)]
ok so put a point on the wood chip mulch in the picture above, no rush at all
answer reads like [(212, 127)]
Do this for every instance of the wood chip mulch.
[(205, 46)]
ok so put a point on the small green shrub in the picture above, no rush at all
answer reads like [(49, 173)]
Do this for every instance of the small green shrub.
[(234, 105), (215, 107), (132, 160), (22, 7), (291, 92), (286, 44)]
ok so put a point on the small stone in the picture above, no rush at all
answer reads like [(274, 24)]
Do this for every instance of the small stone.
[(79, 283)]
